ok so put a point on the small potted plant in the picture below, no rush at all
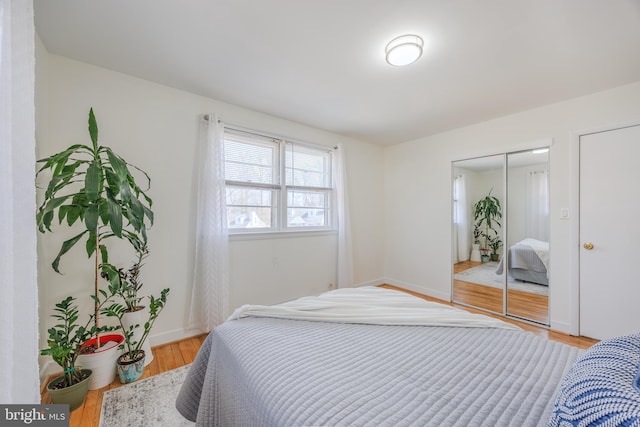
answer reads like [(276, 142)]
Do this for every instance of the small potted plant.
[(130, 363), (65, 343), (475, 247), (127, 284), (495, 244)]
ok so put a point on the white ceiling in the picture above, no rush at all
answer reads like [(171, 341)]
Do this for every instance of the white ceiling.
[(321, 62)]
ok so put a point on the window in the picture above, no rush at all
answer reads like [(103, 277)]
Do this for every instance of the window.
[(276, 185)]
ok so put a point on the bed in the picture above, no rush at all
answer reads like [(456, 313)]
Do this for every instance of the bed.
[(375, 357), (528, 261)]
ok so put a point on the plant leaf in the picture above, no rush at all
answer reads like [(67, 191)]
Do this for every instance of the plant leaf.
[(68, 244), (91, 244), (115, 216), (92, 181), (93, 130), (91, 218)]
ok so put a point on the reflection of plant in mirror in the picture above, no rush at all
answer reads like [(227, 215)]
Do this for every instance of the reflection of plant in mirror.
[(495, 244), (476, 235), (486, 212)]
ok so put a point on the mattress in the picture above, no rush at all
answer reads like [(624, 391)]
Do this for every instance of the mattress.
[(258, 370), (528, 261)]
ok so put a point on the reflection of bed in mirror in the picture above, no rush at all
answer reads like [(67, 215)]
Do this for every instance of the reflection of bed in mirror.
[(528, 261)]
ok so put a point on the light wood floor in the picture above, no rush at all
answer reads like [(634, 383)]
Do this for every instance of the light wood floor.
[(165, 358), (580, 342), (522, 304), (174, 355)]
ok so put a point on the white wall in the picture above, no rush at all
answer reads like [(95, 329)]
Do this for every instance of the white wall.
[(156, 128), (417, 185)]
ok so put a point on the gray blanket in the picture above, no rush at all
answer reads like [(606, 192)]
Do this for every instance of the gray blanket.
[(523, 257), (277, 372)]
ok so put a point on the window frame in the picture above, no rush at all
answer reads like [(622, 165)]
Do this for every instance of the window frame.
[(280, 204)]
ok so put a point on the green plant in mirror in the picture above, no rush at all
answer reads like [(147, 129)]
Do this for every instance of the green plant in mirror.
[(486, 213), (495, 244), (93, 186)]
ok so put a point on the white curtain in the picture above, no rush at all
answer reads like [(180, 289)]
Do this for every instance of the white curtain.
[(537, 221), (19, 378), (210, 291), (462, 230), (345, 259)]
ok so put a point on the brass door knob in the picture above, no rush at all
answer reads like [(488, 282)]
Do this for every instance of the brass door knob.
[(588, 246)]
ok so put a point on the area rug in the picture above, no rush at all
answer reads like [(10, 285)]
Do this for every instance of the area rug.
[(149, 402), (485, 274)]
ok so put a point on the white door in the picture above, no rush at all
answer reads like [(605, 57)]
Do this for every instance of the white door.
[(610, 222)]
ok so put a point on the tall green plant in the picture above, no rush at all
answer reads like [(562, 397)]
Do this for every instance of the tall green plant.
[(94, 186), (486, 213)]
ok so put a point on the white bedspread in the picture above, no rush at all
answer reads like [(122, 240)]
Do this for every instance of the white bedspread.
[(371, 305), (540, 248)]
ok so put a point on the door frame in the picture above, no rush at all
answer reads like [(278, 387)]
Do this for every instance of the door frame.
[(574, 217)]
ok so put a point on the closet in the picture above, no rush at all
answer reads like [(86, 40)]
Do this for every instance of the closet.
[(500, 234)]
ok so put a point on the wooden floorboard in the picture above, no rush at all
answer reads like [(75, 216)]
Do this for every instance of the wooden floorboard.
[(521, 304), (580, 342)]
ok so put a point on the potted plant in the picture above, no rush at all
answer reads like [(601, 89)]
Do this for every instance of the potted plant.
[(130, 363), (94, 189), (65, 342), (495, 244), (486, 213), (127, 284), (475, 247)]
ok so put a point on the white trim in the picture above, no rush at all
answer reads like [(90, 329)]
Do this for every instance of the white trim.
[(513, 148), (292, 233), (574, 325), (421, 290), (48, 368), (561, 327), (376, 282), (173, 336)]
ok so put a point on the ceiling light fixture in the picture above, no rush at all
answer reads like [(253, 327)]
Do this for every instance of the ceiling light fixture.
[(404, 50)]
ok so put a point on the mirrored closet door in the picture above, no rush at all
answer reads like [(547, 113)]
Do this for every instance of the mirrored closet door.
[(501, 234), (478, 192), (527, 240)]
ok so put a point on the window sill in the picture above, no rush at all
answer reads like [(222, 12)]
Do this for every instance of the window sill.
[(267, 235)]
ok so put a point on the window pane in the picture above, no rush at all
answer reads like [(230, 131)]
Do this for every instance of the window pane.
[(307, 167), (251, 207), (306, 199), (307, 208), (249, 217), (250, 161), (247, 196), (297, 217)]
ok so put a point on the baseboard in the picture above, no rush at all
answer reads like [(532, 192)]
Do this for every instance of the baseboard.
[(419, 289), (376, 282), (48, 368), (560, 327), (173, 336)]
